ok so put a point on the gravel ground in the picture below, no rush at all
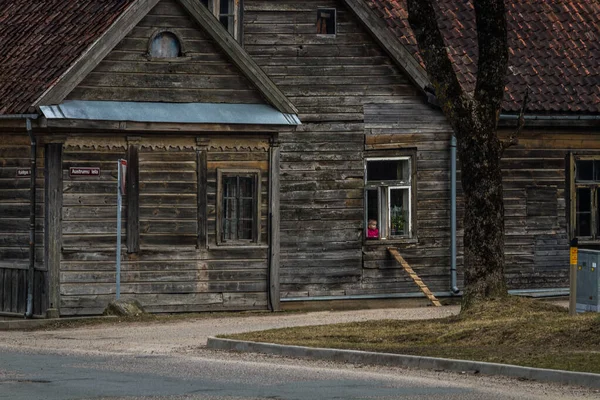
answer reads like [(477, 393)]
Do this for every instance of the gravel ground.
[(183, 335)]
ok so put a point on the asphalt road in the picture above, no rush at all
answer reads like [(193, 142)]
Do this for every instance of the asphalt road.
[(169, 361)]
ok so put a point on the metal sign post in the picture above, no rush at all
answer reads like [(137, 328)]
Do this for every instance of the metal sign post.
[(121, 174), (573, 278)]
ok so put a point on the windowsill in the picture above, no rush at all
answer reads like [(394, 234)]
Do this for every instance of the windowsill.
[(238, 246), (388, 242)]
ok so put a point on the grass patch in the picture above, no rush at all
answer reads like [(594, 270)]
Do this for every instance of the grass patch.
[(511, 331)]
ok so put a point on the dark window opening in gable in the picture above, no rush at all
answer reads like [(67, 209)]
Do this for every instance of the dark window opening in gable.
[(229, 13), (326, 21), (165, 45)]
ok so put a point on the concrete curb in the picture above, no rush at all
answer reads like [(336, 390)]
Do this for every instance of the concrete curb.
[(22, 324), (398, 360)]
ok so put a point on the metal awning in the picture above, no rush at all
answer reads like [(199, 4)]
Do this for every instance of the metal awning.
[(183, 113)]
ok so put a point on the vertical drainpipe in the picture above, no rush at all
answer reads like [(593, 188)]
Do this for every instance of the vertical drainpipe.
[(454, 287), (33, 167)]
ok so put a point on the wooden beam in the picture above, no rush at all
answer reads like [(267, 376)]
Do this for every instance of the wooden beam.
[(274, 234), (202, 159), (92, 56), (133, 196), (53, 196), (415, 277), (239, 56), (386, 38)]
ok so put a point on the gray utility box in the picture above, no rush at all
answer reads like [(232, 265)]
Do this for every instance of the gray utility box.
[(588, 280)]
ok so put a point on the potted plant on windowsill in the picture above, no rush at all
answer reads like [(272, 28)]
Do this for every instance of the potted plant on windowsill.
[(397, 221)]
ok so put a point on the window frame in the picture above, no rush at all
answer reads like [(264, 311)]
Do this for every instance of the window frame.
[(182, 47), (594, 186), (335, 20), (238, 172), (386, 187), (236, 30)]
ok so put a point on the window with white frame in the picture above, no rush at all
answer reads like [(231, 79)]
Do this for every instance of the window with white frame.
[(229, 13), (388, 197)]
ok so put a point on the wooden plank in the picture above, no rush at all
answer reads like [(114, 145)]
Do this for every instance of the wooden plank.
[(274, 234), (133, 198), (414, 277), (202, 197), (239, 56), (53, 221)]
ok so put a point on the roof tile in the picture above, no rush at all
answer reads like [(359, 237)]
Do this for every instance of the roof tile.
[(554, 48)]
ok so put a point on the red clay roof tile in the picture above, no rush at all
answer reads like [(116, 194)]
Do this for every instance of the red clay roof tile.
[(40, 39), (554, 48)]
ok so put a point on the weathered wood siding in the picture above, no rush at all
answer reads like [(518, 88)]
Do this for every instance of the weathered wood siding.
[(203, 74), (536, 189), (169, 273), (334, 81), (14, 226)]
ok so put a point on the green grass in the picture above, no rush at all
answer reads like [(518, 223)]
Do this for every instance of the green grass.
[(512, 331)]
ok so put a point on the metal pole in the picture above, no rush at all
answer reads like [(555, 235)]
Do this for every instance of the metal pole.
[(32, 206), (573, 278), (453, 284), (119, 203)]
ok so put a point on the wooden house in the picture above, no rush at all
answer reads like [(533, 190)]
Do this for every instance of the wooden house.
[(261, 137)]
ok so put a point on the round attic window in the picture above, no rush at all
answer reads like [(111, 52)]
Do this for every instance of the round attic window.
[(165, 45)]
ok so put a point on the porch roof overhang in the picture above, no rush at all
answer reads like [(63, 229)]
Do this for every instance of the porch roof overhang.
[(181, 113)]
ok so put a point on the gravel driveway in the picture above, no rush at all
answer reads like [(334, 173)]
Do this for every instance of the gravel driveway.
[(184, 335)]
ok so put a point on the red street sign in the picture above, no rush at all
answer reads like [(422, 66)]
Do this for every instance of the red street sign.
[(84, 171), (123, 174)]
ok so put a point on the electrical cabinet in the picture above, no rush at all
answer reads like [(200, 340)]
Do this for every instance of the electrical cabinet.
[(588, 280)]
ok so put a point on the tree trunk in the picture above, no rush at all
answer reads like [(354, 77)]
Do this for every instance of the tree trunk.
[(473, 118), (479, 152)]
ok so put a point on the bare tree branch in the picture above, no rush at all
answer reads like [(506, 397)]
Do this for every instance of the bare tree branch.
[(421, 16), (514, 138), (493, 53)]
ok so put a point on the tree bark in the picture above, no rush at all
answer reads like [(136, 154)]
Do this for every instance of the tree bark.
[(474, 120)]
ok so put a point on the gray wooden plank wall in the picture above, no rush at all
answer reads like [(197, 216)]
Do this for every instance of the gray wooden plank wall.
[(169, 274), (14, 226), (332, 80), (203, 75)]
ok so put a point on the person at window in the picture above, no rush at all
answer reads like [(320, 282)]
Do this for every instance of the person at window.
[(372, 231)]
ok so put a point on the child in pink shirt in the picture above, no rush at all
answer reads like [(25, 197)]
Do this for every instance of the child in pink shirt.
[(372, 231)]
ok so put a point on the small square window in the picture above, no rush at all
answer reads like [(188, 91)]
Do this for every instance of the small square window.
[(326, 21)]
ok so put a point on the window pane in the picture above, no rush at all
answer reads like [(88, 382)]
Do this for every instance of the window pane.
[(224, 7), (372, 207), (597, 170), (246, 187), (399, 212), (584, 212), (388, 170), (230, 186), (245, 230), (205, 2), (165, 45), (584, 170), (584, 200)]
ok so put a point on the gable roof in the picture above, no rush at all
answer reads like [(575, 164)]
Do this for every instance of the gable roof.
[(554, 47), (49, 46)]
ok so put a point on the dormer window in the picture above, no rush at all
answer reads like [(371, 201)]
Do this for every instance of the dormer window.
[(165, 44), (229, 13), (326, 21)]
